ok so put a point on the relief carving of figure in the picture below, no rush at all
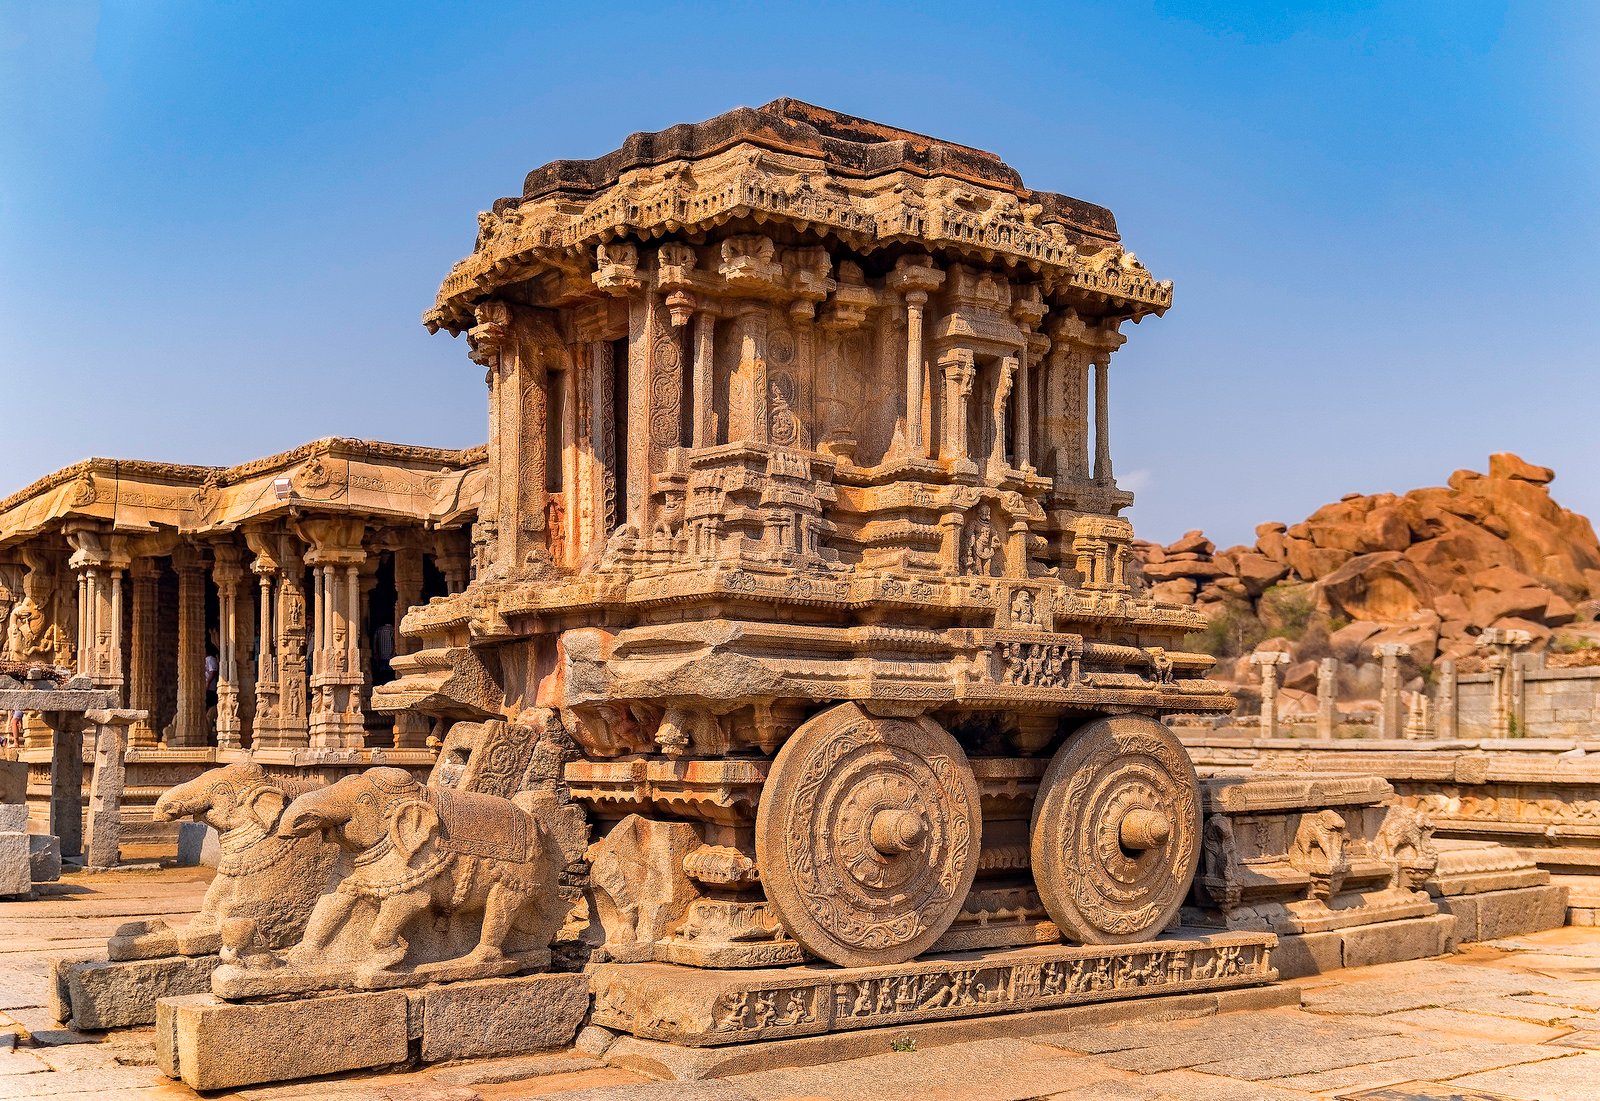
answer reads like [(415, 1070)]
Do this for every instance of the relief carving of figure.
[(981, 546), (1023, 613), (23, 633)]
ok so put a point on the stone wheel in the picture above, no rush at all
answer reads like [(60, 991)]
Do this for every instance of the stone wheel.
[(1116, 831), (867, 834)]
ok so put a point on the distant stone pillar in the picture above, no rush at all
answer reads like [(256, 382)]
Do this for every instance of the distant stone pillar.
[(1102, 420), (1268, 661), (1419, 723), (103, 843), (1327, 697), (335, 557), (227, 573), (292, 727), (189, 728), (142, 662), (1390, 702), (1445, 709), (1503, 646), (99, 560), (66, 780), (410, 730)]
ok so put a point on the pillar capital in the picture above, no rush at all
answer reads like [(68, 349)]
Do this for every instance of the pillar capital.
[(332, 540)]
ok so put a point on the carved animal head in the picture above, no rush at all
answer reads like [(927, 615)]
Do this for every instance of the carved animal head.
[(226, 798), (355, 811)]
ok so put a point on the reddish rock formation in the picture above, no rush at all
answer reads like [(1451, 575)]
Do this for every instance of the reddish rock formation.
[(1432, 567)]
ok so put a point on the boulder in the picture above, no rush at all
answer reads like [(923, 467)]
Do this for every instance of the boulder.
[(1259, 572), (1501, 579), (1504, 464), (1169, 569), (1178, 591), (1192, 542), (1270, 541), (1528, 603), (1349, 643), (1383, 588)]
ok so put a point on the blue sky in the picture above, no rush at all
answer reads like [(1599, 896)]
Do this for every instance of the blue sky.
[(219, 223)]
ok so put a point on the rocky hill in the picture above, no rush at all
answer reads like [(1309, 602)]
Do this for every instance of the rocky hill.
[(1431, 568)]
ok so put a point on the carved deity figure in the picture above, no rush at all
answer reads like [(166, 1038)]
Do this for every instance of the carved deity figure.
[(23, 633), (1023, 613), (981, 546)]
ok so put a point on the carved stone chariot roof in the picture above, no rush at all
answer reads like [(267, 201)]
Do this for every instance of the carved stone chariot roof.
[(869, 185)]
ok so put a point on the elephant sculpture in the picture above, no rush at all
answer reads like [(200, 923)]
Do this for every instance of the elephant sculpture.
[(262, 876), (441, 883)]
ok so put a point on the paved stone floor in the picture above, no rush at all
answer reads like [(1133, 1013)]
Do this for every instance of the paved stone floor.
[(1517, 1019)]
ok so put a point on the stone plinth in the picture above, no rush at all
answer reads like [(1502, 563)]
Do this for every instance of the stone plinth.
[(213, 1044), (1493, 891), (700, 1008), (1323, 862)]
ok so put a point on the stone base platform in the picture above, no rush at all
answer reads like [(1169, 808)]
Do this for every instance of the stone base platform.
[(97, 994), (1583, 898), (211, 1044), (673, 1062), (1415, 938), (700, 1008)]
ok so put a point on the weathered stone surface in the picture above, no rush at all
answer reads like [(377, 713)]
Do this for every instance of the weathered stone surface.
[(101, 994), (493, 1017), (211, 1044), (44, 857), (639, 884)]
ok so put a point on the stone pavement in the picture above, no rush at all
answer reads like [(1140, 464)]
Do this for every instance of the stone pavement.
[(1517, 1019)]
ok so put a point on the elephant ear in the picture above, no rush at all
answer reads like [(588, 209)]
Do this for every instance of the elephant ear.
[(266, 807), (411, 824)]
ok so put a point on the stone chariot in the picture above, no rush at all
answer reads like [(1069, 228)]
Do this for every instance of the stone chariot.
[(800, 547)]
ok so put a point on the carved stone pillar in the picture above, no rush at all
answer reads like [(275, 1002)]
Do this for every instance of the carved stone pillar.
[(915, 277), (189, 728), (960, 371), (66, 780), (335, 557), (1102, 421), (1005, 378), (519, 347), (705, 416), (99, 560), (227, 573), (142, 673), (291, 729), (747, 388)]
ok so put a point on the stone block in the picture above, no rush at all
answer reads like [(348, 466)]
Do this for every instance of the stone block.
[(13, 782), (210, 1044), (44, 857), (1393, 941), (1495, 914), (13, 818), (16, 868), (99, 994), (492, 1017), (1302, 954)]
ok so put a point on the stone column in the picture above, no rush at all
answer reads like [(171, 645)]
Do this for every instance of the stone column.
[(1327, 697), (1077, 415), (99, 560), (1503, 646), (335, 557), (915, 277), (960, 372), (66, 780), (704, 426), (265, 568), (103, 843), (1390, 703), (1419, 724), (410, 730), (1445, 708), (1268, 661), (227, 573), (142, 673), (189, 728), (1102, 421)]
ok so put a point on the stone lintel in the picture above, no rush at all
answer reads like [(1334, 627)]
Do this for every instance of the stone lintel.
[(699, 1008)]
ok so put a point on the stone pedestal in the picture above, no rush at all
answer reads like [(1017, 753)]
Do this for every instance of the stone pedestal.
[(699, 1008), (16, 872)]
